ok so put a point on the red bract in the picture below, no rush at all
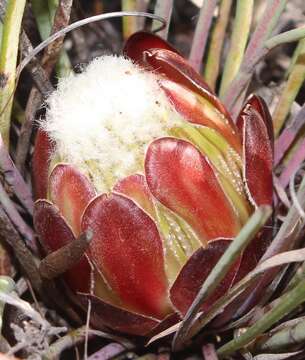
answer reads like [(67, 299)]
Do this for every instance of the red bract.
[(159, 233)]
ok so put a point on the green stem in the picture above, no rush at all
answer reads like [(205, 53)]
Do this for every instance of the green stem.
[(8, 62), (293, 85), (43, 17), (1, 30), (129, 23), (246, 234), (217, 39), (283, 340), (240, 34), (289, 302), (285, 37)]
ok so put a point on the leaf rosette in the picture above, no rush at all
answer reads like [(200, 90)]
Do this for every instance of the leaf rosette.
[(139, 150)]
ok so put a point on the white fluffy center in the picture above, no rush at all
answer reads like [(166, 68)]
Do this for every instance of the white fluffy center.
[(103, 119)]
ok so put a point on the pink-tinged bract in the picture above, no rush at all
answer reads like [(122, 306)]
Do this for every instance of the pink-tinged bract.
[(195, 272), (183, 180), (55, 233), (135, 187), (116, 318), (257, 155), (191, 107), (142, 41), (128, 249), (71, 191)]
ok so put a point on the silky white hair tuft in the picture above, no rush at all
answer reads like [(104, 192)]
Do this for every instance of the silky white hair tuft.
[(103, 119)]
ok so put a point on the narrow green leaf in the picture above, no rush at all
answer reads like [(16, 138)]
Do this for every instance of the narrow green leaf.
[(240, 34), (288, 303), (292, 87), (129, 23), (291, 334), (44, 12), (211, 69), (8, 61)]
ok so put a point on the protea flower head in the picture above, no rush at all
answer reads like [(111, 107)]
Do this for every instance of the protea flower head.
[(140, 151)]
